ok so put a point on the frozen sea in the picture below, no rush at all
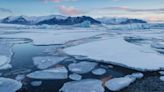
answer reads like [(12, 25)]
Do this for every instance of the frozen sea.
[(48, 57)]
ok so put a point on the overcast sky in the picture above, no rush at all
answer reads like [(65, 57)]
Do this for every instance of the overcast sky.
[(151, 10)]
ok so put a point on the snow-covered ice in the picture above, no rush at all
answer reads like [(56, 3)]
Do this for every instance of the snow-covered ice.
[(99, 71), (82, 67), (9, 85), (75, 76), (53, 37), (117, 51), (86, 85), (53, 73), (47, 61), (36, 83)]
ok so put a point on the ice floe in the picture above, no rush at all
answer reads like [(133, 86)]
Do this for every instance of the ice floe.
[(9, 85), (53, 73), (162, 78), (20, 77), (99, 71), (82, 67), (117, 51), (36, 83), (136, 75), (47, 61), (4, 62), (86, 85), (117, 84), (75, 76)]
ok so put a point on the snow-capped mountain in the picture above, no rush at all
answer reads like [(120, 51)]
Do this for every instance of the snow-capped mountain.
[(116, 21), (50, 20)]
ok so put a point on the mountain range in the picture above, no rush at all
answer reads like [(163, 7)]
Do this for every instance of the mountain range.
[(64, 20)]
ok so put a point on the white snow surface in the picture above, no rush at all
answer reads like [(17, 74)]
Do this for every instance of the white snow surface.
[(9, 85), (117, 51), (53, 73), (86, 85), (50, 37)]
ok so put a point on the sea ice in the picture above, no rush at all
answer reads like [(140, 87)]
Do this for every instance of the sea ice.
[(4, 62), (117, 84), (117, 51), (9, 85), (36, 83), (53, 73), (82, 67), (99, 71), (86, 85), (47, 61), (75, 76)]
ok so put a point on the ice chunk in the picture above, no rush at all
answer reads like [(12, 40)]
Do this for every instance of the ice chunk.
[(82, 67), (162, 78), (117, 84), (20, 77), (9, 85), (53, 73), (86, 85), (4, 62), (99, 71), (47, 61), (75, 76), (136, 75), (161, 72), (36, 83)]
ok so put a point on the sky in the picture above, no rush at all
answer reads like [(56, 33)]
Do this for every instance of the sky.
[(150, 10)]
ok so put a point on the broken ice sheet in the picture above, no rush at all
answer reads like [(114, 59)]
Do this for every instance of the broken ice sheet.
[(47, 61), (53, 73)]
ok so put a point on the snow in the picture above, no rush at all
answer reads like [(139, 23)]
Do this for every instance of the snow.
[(53, 37), (53, 73), (36, 83), (99, 71), (86, 85), (47, 61), (9, 85), (117, 51), (117, 84), (75, 76), (82, 67)]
